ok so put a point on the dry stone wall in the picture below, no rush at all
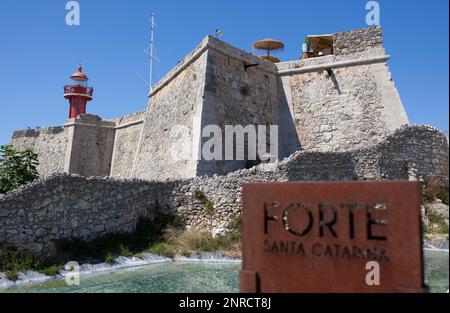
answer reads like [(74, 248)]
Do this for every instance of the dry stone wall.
[(65, 206), (357, 40)]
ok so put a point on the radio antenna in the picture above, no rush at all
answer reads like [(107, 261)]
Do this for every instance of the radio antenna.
[(152, 31)]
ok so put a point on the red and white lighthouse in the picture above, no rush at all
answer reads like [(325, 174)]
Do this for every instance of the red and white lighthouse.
[(78, 93)]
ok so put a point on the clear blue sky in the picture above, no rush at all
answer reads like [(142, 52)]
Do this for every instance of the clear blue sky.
[(38, 51)]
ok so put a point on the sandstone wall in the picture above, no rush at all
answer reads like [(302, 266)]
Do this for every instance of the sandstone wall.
[(128, 130), (49, 143), (344, 101), (235, 96), (90, 147), (177, 100)]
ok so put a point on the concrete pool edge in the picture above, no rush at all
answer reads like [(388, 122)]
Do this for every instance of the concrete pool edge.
[(31, 278)]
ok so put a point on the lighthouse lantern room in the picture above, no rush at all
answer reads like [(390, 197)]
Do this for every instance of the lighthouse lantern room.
[(78, 93)]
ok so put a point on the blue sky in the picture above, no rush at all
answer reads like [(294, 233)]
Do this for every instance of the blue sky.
[(38, 51)]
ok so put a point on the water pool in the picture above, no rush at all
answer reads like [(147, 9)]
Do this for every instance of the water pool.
[(200, 278)]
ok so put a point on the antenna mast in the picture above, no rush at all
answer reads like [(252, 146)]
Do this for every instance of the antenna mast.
[(152, 30)]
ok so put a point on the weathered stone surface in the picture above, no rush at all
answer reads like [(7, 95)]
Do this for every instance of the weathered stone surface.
[(65, 206), (353, 108)]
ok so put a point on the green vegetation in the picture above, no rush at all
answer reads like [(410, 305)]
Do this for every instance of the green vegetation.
[(17, 168), (110, 259), (14, 260), (434, 191), (436, 224), (200, 195), (147, 232), (164, 235), (194, 240), (51, 271), (162, 248), (209, 205)]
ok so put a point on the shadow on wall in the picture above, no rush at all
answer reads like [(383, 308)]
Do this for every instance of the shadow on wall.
[(288, 140), (335, 82)]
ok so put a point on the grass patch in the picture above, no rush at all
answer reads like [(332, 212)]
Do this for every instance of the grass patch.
[(164, 249), (51, 271), (14, 260), (194, 240), (200, 196), (110, 259), (436, 224), (209, 207)]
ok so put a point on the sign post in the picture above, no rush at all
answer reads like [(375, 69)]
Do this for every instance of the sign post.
[(332, 237)]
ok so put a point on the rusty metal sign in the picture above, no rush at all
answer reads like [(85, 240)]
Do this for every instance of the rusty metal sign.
[(332, 237)]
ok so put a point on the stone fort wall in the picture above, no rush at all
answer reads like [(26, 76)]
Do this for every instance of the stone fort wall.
[(347, 100), (66, 206), (341, 102), (50, 143), (128, 131)]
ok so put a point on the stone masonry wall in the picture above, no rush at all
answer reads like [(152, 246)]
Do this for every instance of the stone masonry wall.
[(69, 206), (357, 40), (235, 96), (91, 143), (350, 107), (177, 103), (65, 206), (340, 102), (128, 130), (49, 143)]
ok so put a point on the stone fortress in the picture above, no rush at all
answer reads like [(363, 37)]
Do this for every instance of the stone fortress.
[(339, 117)]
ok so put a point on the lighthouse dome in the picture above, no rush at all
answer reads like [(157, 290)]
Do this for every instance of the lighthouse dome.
[(80, 76)]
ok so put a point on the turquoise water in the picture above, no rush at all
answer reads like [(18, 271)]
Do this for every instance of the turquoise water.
[(200, 278), (436, 270), (164, 278)]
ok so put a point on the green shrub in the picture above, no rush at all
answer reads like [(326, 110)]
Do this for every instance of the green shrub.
[(185, 253), (436, 224), (209, 207), (12, 275), (110, 259), (17, 168), (125, 251), (13, 261), (147, 232), (177, 222), (52, 270), (200, 195), (195, 240), (434, 191), (164, 249)]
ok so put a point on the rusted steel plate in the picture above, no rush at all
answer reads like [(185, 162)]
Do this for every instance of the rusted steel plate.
[(320, 237)]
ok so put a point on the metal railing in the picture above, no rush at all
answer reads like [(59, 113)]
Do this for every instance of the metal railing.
[(74, 89)]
